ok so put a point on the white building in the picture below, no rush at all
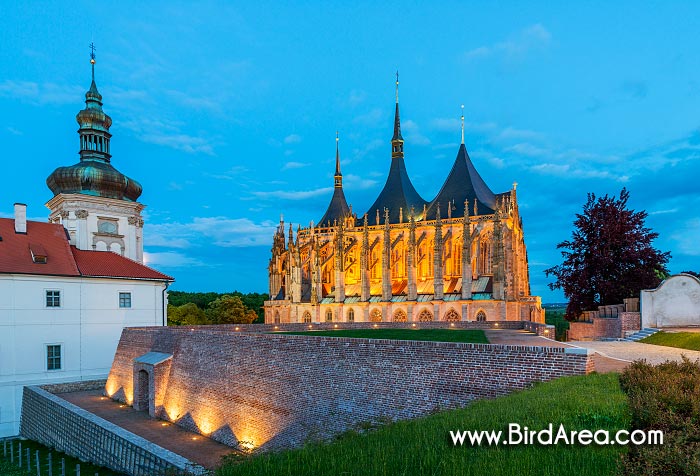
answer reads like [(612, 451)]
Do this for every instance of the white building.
[(69, 287)]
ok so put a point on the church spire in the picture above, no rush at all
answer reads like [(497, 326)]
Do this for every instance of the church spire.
[(462, 124), (338, 176), (397, 139), (94, 123)]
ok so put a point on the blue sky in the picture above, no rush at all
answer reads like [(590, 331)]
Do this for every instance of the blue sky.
[(227, 114)]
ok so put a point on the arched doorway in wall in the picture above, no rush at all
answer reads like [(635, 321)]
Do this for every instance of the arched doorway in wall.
[(452, 316), (400, 316), (375, 315), (481, 316), (141, 395), (306, 317), (425, 316)]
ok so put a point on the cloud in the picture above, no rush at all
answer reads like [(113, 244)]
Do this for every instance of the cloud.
[(167, 133), (292, 194), (687, 237), (355, 98), (294, 165), (513, 133), (170, 259), (196, 103), (356, 182), (525, 148), (44, 93), (292, 139), (13, 131), (204, 231), (413, 134), (516, 47), (371, 118)]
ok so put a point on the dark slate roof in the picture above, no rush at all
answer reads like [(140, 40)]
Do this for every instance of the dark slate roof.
[(398, 192), (463, 183), (337, 210)]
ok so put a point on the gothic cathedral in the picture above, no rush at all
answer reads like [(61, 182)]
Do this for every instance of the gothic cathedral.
[(459, 257)]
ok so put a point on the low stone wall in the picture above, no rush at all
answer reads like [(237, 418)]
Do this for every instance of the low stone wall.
[(272, 391), (56, 423), (321, 326)]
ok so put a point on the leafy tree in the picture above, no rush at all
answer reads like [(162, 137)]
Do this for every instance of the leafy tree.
[(187, 314), (230, 310), (252, 301), (609, 257)]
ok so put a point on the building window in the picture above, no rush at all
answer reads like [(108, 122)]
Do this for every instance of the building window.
[(53, 357), (124, 300), (375, 315), (329, 315), (351, 315), (400, 316), (277, 317), (452, 316), (425, 316), (306, 317), (53, 298), (481, 316)]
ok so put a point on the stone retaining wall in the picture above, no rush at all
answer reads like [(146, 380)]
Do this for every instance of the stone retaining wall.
[(272, 391), (56, 423)]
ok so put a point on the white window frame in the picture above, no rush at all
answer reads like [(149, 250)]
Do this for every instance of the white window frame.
[(60, 356), (119, 299), (60, 298)]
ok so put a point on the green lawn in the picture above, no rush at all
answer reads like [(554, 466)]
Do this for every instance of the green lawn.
[(682, 340), (423, 446), (439, 335)]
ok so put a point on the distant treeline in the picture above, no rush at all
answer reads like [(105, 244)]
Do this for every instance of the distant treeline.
[(215, 308)]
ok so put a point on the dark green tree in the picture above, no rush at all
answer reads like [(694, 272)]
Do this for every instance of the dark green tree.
[(609, 256), (230, 310)]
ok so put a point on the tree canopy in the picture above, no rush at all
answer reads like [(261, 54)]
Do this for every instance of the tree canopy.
[(186, 308), (609, 257)]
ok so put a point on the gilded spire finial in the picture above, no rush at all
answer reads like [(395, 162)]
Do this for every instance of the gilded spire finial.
[(92, 59), (397, 86), (462, 123)]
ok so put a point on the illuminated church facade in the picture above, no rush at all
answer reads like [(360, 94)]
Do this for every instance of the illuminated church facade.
[(458, 257)]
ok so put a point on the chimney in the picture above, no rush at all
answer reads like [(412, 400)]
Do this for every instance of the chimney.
[(20, 218)]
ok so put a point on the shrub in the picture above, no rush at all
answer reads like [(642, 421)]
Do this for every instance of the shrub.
[(664, 397)]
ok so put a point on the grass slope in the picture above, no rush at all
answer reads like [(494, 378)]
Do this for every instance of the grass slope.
[(423, 446), (682, 340), (439, 335)]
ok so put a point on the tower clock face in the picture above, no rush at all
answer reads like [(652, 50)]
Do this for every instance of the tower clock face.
[(107, 227)]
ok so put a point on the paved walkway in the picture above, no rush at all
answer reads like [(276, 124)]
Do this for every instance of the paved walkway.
[(654, 354), (189, 445), (603, 363)]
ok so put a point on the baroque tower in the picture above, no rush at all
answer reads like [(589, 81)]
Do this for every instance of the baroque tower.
[(95, 202)]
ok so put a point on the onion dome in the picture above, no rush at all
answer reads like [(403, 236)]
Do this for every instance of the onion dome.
[(338, 209), (94, 174), (399, 195)]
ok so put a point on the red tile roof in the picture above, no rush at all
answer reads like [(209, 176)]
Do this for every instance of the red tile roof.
[(111, 265), (15, 256), (62, 259)]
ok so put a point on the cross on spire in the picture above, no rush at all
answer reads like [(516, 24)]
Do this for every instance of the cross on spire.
[(397, 86), (92, 59)]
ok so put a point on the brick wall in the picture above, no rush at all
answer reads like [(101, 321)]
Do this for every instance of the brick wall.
[(56, 423), (274, 391)]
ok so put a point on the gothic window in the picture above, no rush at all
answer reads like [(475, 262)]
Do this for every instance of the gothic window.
[(485, 256), (481, 316), (457, 257), (400, 316), (351, 315), (425, 316), (375, 315), (329, 315), (306, 317), (452, 316), (277, 317)]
